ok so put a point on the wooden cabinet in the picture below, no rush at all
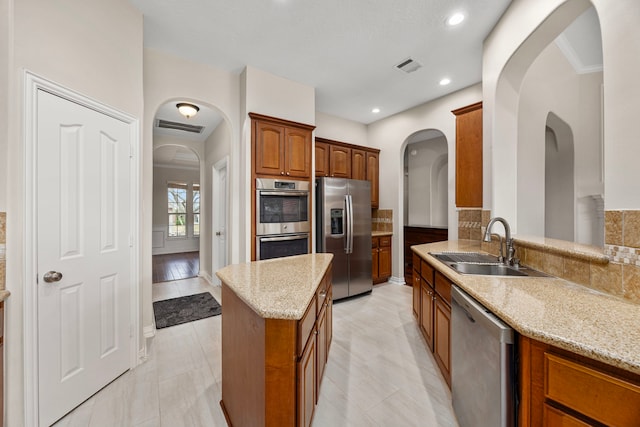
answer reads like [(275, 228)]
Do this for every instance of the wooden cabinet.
[(273, 367), (339, 161), (469, 156), (281, 147), (381, 258), (560, 388), (342, 160), (416, 236), (322, 159), (373, 176), (358, 164), (432, 308)]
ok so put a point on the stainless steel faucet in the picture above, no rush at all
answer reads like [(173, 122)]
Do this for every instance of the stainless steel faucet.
[(508, 241)]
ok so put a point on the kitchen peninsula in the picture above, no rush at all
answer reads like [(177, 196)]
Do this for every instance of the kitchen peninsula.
[(276, 333), (579, 349)]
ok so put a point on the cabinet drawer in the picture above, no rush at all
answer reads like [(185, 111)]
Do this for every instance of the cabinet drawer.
[(427, 272), (321, 294), (556, 418), (305, 325), (416, 262), (385, 241), (374, 242), (443, 287), (591, 392)]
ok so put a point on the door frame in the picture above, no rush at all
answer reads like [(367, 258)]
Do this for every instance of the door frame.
[(215, 223), (32, 84)]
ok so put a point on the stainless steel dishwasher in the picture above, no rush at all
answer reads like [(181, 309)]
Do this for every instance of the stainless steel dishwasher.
[(482, 365)]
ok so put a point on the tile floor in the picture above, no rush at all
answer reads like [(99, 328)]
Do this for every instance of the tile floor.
[(379, 372)]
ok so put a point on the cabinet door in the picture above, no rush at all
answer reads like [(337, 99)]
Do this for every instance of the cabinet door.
[(307, 383), (329, 319), (321, 348), (556, 418), (426, 312), (339, 161), (469, 156), (384, 262), (269, 149), (417, 288), (442, 338), (297, 151), (322, 159), (358, 164), (373, 178)]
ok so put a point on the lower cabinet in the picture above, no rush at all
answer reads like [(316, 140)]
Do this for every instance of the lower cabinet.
[(381, 258), (560, 388), (432, 309), (311, 363), (442, 337)]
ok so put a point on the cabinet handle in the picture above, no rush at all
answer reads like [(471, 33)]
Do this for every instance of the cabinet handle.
[(287, 173), (281, 172)]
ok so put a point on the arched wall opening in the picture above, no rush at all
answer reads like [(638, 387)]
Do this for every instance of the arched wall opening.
[(426, 179), (539, 78)]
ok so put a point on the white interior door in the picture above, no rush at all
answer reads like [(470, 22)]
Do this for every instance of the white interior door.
[(83, 232), (219, 211)]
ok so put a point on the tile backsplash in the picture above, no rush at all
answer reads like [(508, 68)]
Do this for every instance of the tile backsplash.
[(382, 220), (615, 270), (3, 251)]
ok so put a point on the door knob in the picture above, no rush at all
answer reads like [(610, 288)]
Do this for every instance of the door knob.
[(52, 276)]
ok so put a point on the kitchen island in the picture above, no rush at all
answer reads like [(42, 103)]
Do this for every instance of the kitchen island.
[(579, 349), (276, 333)]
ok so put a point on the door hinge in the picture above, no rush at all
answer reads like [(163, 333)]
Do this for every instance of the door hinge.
[(130, 151), (130, 241), (130, 331)]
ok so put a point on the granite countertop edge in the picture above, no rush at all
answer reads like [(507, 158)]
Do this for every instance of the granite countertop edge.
[(552, 310), (381, 233), (279, 288), (4, 294)]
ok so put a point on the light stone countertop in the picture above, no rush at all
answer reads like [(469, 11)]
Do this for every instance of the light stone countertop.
[(552, 310), (381, 233), (4, 295), (279, 288)]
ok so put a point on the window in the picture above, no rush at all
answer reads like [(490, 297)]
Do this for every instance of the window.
[(177, 207), (196, 210)]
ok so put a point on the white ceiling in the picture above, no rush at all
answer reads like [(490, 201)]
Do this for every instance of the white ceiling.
[(346, 49), (175, 156)]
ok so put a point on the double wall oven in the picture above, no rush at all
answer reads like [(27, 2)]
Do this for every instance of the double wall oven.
[(282, 218)]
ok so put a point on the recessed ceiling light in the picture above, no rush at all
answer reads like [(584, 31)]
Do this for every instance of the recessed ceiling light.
[(375, 110), (455, 19), (445, 81)]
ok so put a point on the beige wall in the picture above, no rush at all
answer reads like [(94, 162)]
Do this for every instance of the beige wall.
[(533, 26), (339, 129), (97, 51), (390, 136)]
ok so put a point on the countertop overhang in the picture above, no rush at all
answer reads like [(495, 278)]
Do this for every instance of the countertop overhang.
[(552, 310), (279, 288)]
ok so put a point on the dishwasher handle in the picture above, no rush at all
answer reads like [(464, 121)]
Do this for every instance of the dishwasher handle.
[(476, 313)]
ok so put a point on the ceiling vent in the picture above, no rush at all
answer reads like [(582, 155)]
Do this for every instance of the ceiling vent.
[(165, 124), (408, 65)]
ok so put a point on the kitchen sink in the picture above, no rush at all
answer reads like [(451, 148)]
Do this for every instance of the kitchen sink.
[(483, 264)]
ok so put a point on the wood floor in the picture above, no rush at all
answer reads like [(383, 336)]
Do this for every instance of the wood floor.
[(379, 372), (179, 266)]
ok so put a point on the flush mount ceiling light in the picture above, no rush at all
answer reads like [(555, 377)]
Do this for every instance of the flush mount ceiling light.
[(187, 110), (455, 19), (375, 110), (445, 81)]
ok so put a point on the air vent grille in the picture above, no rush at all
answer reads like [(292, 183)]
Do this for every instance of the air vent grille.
[(165, 124), (408, 65)]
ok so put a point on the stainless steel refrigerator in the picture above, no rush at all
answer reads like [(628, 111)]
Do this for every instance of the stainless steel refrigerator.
[(343, 228)]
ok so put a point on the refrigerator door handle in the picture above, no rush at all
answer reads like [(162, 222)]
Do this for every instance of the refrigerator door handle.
[(349, 224)]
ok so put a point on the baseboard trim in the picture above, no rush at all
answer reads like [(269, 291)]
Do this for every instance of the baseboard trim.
[(397, 280)]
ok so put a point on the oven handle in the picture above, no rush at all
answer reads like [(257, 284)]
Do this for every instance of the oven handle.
[(283, 193), (284, 238)]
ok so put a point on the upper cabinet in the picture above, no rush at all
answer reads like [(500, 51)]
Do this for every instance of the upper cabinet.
[(339, 161), (281, 147), (342, 160), (469, 156), (322, 159)]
